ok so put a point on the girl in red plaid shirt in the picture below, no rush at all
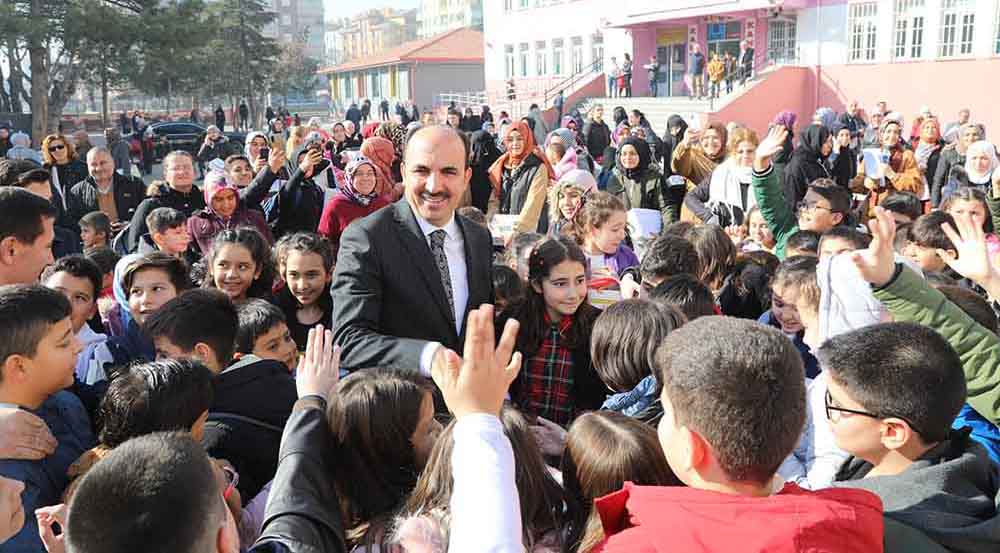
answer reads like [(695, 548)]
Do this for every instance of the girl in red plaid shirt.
[(557, 381)]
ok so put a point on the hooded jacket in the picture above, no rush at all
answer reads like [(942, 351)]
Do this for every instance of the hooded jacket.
[(662, 519), (484, 153), (253, 400), (949, 494), (807, 164)]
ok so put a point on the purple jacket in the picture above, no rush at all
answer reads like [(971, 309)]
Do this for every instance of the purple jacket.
[(205, 224), (622, 259)]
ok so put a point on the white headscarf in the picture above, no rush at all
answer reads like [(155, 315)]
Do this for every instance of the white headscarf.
[(981, 147)]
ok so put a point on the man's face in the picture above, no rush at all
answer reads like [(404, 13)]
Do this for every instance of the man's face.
[(179, 173), (28, 260), (435, 175), (100, 165), (41, 188)]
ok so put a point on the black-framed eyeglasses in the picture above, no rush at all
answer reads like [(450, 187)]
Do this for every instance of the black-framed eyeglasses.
[(809, 206), (828, 403)]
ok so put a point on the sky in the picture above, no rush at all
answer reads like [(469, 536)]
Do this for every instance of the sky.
[(346, 8)]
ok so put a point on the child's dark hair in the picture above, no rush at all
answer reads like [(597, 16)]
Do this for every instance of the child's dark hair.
[(669, 255), (678, 228), (162, 219), (256, 318), (973, 304), (544, 256), (80, 267), (35, 175), (902, 238), (598, 208), (716, 253), (687, 293), (308, 242), (857, 239), (926, 231), (625, 337), (904, 203), (838, 196), (521, 243), (197, 316), (804, 241), (902, 370), (970, 194), (507, 286), (99, 222), (26, 313), (234, 159), (160, 396), (260, 252), (176, 270), (104, 257), (741, 386), (799, 271)]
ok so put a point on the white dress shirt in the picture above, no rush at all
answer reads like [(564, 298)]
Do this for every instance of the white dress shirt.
[(454, 250)]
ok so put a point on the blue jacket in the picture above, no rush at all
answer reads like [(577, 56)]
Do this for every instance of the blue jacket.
[(808, 360), (45, 480)]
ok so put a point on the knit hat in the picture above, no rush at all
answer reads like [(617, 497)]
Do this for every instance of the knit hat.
[(215, 182)]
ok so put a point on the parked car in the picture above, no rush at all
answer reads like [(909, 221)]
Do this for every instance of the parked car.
[(178, 135)]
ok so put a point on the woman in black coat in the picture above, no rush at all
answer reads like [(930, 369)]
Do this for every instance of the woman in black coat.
[(808, 163), (483, 154)]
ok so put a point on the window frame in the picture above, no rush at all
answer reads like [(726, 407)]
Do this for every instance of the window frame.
[(862, 32), (957, 39)]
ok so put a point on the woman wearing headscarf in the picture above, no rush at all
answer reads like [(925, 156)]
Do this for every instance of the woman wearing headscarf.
[(927, 151), (483, 154), (699, 153), (574, 151), (980, 164), (899, 174), (726, 197), (382, 154), (808, 163), (785, 119), (223, 210), (637, 180), (395, 133), (520, 180), (356, 198), (952, 155), (470, 121), (620, 115), (338, 139), (676, 126), (825, 116), (843, 161)]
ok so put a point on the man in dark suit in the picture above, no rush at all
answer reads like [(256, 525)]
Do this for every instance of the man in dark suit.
[(746, 61), (408, 274)]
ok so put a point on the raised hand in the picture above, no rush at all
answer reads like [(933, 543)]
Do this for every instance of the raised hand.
[(309, 161), (973, 259), (24, 436), (769, 147), (319, 369), (877, 263), (736, 233), (276, 160), (478, 381)]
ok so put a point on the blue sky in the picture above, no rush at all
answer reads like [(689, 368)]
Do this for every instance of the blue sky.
[(347, 8)]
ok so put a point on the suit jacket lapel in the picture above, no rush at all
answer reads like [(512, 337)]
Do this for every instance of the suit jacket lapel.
[(420, 254), (472, 253)]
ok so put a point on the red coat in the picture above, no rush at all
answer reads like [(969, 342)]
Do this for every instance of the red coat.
[(652, 519), (340, 212)]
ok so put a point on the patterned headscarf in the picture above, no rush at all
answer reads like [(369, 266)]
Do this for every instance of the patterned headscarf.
[(395, 133), (381, 152), (348, 189)]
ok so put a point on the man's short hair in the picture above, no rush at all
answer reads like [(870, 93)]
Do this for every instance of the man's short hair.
[(22, 214), (804, 240), (11, 169), (105, 258), (669, 255), (159, 396), (903, 370), (686, 292), (466, 147), (256, 318), (162, 219), (904, 203), (202, 315), (156, 493), (974, 305), (838, 196), (30, 177), (926, 231), (78, 266), (174, 154), (741, 386), (99, 221), (857, 239), (26, 313), (625, 337)]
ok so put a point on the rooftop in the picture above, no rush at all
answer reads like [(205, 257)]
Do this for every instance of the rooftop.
[(458, 45)]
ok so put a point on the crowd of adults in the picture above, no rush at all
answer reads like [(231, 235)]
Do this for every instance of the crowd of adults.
[(502, 334)]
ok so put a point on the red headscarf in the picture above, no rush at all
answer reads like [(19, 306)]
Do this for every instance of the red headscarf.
[(530, 148), (382, 153), (369, 130)]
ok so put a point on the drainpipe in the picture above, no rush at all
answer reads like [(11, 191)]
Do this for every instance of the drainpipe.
[(819, 50)]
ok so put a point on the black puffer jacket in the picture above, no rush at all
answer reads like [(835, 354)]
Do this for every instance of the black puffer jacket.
[(186, 203), (129, 193), (807, 164)]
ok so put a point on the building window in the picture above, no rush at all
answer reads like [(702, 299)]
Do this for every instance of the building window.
[(958, 21), (557, 56), (781, 41), (523, 59), (909, 31), (541, 57), (523, 4), (508, 56), (577, 55), (996, 47), (862, 25), (508, 5), (597, 52)]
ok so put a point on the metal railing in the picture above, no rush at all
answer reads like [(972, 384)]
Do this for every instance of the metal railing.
[(568, 83)]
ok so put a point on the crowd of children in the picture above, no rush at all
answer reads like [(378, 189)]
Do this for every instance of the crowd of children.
[(790, 380)]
